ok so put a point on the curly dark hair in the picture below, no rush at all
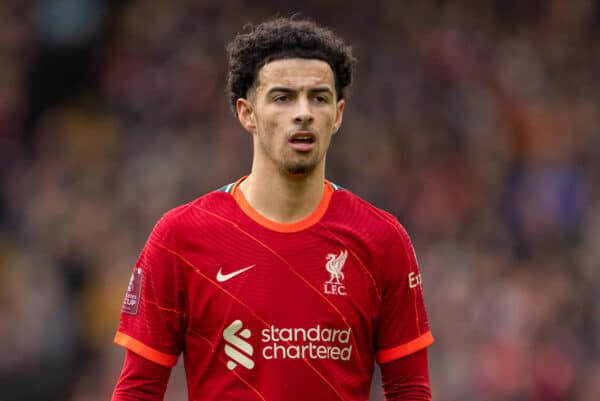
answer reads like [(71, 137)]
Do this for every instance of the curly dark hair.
[(282, 38)]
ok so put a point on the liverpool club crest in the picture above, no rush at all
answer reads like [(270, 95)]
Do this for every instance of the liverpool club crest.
[(335, 264)]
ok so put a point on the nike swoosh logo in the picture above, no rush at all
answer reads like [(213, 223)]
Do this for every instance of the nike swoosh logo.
[(224, 277)]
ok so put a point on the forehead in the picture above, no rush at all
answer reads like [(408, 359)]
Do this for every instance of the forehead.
[(295, 73)]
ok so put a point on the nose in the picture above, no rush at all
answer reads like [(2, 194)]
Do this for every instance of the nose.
[(303, 115)]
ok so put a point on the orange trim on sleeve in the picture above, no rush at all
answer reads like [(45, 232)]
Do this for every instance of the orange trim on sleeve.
[(142, 349), (405, 349), (303, 224)]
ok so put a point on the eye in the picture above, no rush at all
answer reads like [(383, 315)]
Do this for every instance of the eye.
[(281, 98), (321, 99)]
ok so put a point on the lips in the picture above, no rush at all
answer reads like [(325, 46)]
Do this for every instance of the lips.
[(303, 141)]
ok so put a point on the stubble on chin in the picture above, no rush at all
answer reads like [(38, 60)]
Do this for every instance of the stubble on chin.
[(299, 168)]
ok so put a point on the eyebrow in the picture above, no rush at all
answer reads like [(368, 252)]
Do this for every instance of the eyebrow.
[(285, 89), (321, 89)]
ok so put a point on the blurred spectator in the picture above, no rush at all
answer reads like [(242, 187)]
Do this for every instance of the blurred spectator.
[(478, 117)]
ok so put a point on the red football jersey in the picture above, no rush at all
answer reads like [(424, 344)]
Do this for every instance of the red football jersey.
[(269, 311)]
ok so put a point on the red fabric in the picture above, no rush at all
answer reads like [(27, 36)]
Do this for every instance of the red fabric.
[(250, 304), (141, 380), (407, 378)]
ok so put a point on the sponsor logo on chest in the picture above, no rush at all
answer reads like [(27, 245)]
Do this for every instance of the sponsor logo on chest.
[(296, 343)]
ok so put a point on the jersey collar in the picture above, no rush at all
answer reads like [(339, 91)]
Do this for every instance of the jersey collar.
[(303, 224)]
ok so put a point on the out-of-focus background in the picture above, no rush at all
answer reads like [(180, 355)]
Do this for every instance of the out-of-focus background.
[(475, 122)]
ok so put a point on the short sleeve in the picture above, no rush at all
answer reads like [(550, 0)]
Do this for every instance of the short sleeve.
[(402, 327), (152, 316)]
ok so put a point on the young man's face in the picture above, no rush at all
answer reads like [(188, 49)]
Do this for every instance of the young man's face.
[(292, 113)]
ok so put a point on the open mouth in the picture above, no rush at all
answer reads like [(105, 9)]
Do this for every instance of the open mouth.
[(303, 138), (303, 141)]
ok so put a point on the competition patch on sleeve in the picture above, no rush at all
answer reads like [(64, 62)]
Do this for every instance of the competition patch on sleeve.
[(132, 298)]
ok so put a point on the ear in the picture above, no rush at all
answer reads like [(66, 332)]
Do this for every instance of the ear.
[(245, 113), (339, 108)]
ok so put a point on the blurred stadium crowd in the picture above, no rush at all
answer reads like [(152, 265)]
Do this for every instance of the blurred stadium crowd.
[(476, 122)]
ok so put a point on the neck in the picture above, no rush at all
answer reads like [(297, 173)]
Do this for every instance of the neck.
[(283, 198)]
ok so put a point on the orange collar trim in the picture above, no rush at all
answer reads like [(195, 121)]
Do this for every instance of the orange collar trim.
[(303, 224)]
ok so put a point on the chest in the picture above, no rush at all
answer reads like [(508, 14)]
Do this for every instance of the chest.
[(286, 281)]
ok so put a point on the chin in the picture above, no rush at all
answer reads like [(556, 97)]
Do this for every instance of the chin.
[(300, 169)]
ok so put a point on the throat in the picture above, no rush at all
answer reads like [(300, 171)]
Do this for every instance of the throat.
[(285, 201)]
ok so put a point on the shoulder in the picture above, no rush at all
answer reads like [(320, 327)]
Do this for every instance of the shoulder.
[(376, 235), (351, 208)]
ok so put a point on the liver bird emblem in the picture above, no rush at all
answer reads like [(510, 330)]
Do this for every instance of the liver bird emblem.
[(334, 266)]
